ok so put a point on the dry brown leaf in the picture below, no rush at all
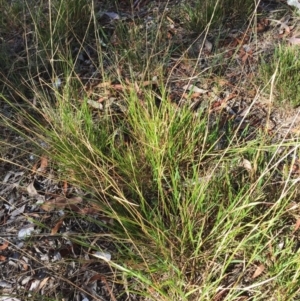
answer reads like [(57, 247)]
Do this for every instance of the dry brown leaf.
[(31, 189), (262, 25), (24, 265), (95, 278), (297, 225), (150, 82), (192, 96), (4, 246), (75, 208), (219, 296), (259, 270), (65, 187), (88, 211), (245, 57), (103, 85), (60, 203), (247, 164), (222, 82), (34, 167), (101, 99), (43, 282), (57, 227), (194, 89), (44, 164), (118, 87), (94, 104)]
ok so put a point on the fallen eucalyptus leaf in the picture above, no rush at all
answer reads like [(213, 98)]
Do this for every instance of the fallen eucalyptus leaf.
[(26, 231), (194, 89), (259, 270), (103, 255), (94, 104), (31, 189)]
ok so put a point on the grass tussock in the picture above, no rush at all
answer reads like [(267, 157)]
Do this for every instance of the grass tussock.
[(201, 14), (198, 210), (284, 65)]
